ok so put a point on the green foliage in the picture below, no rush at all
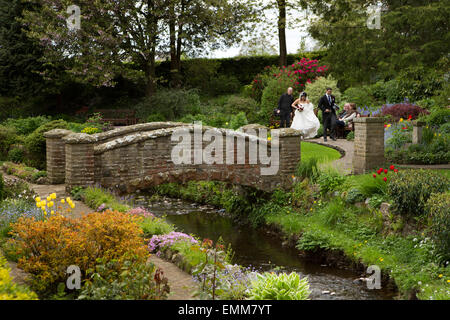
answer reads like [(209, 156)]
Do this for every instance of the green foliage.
[(438, 117), (26, 126), (110, 280), (155, 226), (329, 180), (308, 168), (270, 286), (354, 195), (156, 117), (10, 290), (370, 186), (2, 187), (334, 213), (95, 197), (201, 73), (271, 94), (236, 104), (318, 88), (223, 84), (35, 143), (169, 103), (302, 195), (438, 209), (350, 136), (77, 193), (8, 137), (16, 155), (238, 120), (417, 82), (411, 189)]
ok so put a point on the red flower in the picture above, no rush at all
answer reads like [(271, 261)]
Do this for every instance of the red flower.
[(392, 167), (385, 171), (384, 179), (374, 175), (395, 170)]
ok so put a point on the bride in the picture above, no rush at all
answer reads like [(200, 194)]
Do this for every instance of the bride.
[(304, 118)]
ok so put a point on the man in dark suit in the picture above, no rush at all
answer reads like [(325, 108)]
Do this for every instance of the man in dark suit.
[(285, 108), (327, 105)]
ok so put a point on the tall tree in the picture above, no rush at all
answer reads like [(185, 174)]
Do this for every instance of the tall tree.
[(115, 38), (282, 31), (19, 55), (197, 25), (412, 32)]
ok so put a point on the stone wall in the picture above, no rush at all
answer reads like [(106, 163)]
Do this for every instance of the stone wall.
[(369, 144), (141, 159)]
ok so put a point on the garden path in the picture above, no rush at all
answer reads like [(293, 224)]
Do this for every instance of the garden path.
[(345, 147), (181, 283)]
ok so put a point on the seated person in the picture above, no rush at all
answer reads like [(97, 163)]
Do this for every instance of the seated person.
[(345, 111), (349, 116)]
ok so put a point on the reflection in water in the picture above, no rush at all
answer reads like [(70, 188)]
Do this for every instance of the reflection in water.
[(254, 248)]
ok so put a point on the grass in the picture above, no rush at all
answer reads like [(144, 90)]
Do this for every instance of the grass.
[(322, 153), (95, 197), (356, 232)]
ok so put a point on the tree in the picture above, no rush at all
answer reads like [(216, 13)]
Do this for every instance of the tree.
[(115, 38), (19, 55), (411, 32), (195, 25)]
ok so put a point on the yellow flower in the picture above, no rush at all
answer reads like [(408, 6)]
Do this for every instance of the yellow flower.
[(72, 205), (381, 259), (52, 212), (51, 204), (38, 204), (38, 199), (269, 138), (401, 120), (49, 198), (388, 126), (68, 199), (63, 201), (53, 195), (365, 241), (448, 281), (440, 276)]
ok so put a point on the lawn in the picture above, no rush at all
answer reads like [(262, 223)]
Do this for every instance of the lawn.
[(324, 154)]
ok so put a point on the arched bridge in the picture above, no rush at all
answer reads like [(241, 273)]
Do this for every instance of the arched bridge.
[(145, 155)]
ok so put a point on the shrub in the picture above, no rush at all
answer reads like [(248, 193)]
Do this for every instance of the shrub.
[(270, 286), (354, 195), (13, 209), (36, 146), (350, 136), (438, 209), (49, 247), (223, 84), (2, 187), (156, 117), (8, 137), (112, 280), (170, 103), (271, 94), (418, 83), (403, 110), (374, 184), (329, 181), (438, 117), (155, 226), (201, 73), (411, 189), (35, 176), (91, 130), (16, 155), (8, 289), (237, 104), (445, 128), (238, 120), (26, 126), (317, 89), (95, 197), (162, 242)]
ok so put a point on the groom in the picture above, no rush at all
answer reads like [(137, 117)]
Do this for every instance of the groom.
[(326, 104)]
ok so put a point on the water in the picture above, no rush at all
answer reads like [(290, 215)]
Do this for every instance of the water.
[(257, 249)]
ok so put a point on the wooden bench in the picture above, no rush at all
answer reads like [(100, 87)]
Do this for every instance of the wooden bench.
[(117, 117)]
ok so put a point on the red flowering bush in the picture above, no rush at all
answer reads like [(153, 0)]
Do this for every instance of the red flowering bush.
[(402, 111), (297, 75)]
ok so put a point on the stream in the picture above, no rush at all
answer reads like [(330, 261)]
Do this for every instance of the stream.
[(256, 249)]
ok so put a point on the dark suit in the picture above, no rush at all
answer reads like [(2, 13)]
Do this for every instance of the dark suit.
[(285, 106), (329, 118)]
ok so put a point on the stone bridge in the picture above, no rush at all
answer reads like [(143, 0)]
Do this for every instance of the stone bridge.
[(141, 156)]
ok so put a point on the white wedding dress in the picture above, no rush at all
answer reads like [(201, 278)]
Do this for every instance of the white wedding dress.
[(306, 121)]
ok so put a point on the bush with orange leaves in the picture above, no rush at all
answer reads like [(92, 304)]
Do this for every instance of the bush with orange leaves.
[(47, 248)]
